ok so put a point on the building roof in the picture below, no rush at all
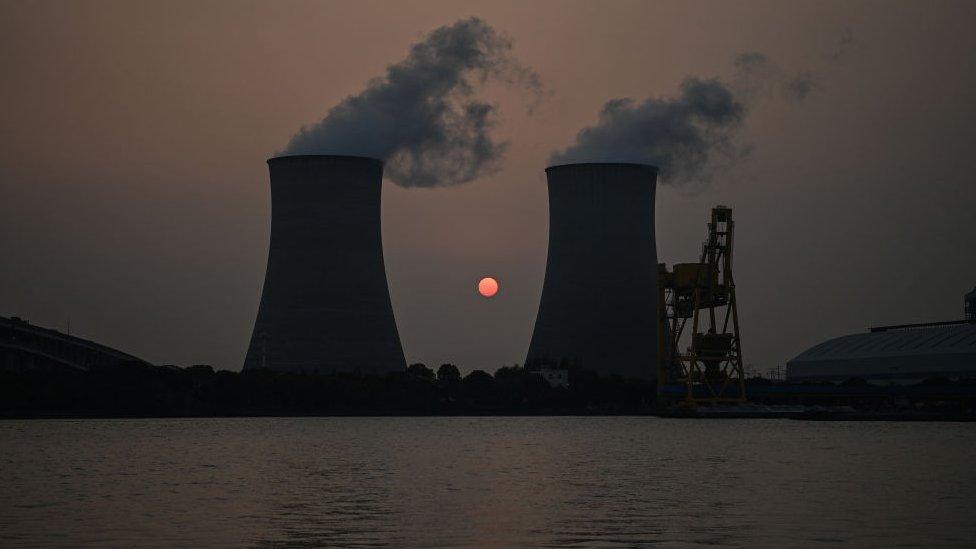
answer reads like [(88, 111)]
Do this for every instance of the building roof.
[(912, 351), (920, 340), (19, 335)]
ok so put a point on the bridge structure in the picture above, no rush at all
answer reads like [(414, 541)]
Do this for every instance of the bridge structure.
[(26, 346)]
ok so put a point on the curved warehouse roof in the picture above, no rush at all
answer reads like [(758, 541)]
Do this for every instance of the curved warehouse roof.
[(918, 351), (23, 345)]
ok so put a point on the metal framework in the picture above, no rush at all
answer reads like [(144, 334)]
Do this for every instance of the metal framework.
[(710, 366)]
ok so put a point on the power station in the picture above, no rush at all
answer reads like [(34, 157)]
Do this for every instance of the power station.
[(325, 306), (598, 309)]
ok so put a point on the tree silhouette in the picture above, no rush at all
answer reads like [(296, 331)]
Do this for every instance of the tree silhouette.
[(448, 374), (421, 371)]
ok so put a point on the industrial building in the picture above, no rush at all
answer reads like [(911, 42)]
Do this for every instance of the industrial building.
[(25, 346), (325, 306), (891, 354), (598, 309)]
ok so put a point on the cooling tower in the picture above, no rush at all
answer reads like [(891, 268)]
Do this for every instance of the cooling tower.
[(599, 300), (326, 305)]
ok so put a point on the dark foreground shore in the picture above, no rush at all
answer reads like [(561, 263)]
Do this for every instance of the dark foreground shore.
[(136, 390)]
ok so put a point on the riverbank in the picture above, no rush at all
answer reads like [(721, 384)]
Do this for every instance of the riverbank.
[(141, 391)]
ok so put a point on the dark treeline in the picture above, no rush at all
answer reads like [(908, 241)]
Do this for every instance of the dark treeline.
[(140, 390), (136, 390)]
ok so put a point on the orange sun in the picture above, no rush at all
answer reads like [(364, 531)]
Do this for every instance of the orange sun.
[(488, 286)]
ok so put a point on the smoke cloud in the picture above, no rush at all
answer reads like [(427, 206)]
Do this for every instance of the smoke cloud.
[(756, 78), (424, 116), (844, 45), (688, 135), (679, 135)]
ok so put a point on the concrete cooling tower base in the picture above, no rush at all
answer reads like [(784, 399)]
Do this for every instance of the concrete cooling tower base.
[(599, 299), (326, 305)]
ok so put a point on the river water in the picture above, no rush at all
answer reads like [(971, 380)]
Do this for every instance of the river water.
[(422, 482)]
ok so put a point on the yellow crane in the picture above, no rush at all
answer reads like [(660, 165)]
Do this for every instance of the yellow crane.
[(707, 360)]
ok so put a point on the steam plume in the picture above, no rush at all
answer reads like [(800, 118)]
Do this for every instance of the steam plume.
[(679, 134), (844, 45), (685, 135), (424, 117)]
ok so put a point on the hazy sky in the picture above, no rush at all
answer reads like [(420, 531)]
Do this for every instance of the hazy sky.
[(134, 198)]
